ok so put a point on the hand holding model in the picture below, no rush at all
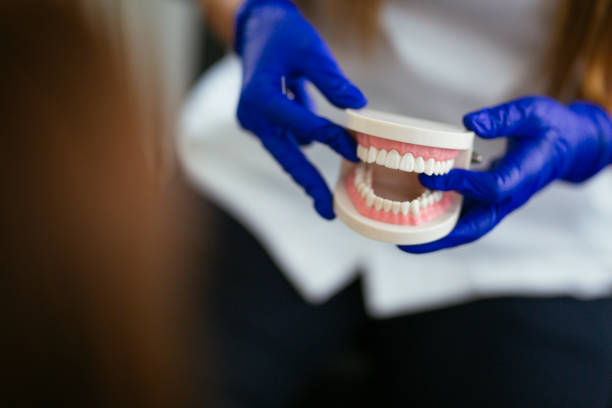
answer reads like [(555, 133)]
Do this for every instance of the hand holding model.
[(279, 48), (547, 141)]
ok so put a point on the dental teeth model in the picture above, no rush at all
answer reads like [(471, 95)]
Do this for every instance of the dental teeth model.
[(381, 196), (410, 212)]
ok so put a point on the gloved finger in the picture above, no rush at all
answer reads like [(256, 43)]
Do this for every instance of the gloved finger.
[(288, 154), (480, 185), (323, 71), (504, 180), (305, 125), (298, 88), (263, 101), (474, 223), (524, 117)]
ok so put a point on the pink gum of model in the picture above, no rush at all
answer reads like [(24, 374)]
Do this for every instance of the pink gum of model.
[(426, 152), (425, 214)]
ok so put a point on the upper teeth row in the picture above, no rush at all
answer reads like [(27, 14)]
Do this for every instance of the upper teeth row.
[(407, 162), (363, 184)]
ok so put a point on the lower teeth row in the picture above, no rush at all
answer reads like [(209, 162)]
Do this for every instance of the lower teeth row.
[(363, 184)]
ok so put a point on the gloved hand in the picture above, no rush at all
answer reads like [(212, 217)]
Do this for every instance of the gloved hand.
[(547, 141), (278, 45)]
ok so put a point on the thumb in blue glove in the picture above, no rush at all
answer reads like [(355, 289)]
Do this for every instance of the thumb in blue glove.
[(278, 46), (547, 141)]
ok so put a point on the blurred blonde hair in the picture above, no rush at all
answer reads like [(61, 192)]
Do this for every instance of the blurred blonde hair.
[(129, 26), (580, 60), (579, 64), (91, 252)]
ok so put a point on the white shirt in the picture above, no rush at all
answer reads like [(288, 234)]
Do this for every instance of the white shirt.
[(441, 59)]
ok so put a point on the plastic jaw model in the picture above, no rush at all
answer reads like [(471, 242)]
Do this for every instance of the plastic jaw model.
[(381, 197)]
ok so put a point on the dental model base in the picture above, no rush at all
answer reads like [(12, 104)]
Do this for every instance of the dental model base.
[(381, 197)]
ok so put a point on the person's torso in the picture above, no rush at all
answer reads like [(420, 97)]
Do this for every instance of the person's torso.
[(435, 59)]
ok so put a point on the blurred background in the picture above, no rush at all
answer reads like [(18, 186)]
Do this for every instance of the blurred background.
[(106, 291), (98, 270)]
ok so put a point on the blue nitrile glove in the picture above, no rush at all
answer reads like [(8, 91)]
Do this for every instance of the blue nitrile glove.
[(277, 44), (547, 141)]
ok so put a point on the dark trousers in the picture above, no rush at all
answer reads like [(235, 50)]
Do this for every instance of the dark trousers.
[(272, 349)]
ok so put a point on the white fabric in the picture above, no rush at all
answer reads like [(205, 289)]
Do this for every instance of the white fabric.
[(558, 244)]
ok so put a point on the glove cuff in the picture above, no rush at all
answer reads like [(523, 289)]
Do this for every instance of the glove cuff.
[(244, 12), (602, 122)]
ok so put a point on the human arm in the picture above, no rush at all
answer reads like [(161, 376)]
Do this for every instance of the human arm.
[(281, 51)]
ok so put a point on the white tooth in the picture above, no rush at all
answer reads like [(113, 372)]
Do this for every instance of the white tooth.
[(423, 202), (450, 164), (359, 172), (437, 196), (370, 198), (443, 167), (372, 153), (378, 203), (419, 165), (397, 206), (393, 160), (429, 167), (407, 162), (365, 191), (381, 157), (430, 200), (405, 207), (414, 207), (362, 152), (358, 178), (437, 167), (387, 205)]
